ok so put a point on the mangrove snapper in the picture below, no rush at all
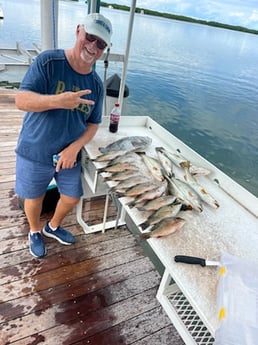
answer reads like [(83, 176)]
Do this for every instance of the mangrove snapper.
[(155, 204), (163, 212), (109, 156), (164, 228)]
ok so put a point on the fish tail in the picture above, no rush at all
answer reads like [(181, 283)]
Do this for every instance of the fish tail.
[(145, 236), (131, 204), (144, 225), (118, 194), (185, 207), (101, 170), (185, 164)]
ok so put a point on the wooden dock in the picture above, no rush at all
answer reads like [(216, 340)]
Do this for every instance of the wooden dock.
[(100, 291)]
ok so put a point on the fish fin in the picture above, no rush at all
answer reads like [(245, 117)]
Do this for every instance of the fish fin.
[(140, 208)]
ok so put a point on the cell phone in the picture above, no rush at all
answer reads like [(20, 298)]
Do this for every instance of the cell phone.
[(55, 160)]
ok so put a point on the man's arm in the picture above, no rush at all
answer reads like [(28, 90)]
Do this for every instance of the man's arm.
[(69, 154), (32, 101)]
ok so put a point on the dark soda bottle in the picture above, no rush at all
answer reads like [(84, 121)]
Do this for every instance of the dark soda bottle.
[(114, 118)]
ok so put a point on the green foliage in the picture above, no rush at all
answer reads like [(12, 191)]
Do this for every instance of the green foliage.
[(179, 17)]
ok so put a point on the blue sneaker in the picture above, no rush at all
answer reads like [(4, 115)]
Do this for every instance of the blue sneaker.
[(37, 245), (61, 235)]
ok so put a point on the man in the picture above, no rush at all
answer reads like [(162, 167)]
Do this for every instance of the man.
[(63, 96)]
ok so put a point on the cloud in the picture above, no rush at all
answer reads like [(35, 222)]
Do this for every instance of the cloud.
[(234, 12)]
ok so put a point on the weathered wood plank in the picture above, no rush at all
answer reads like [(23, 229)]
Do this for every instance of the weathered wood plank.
[(61, 256), (126, 275), (80, 318), (149, 328)]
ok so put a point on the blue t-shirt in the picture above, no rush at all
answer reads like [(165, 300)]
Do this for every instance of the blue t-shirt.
[(46, 133)]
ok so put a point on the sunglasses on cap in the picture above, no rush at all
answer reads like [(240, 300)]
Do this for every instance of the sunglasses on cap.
[(92, 38)]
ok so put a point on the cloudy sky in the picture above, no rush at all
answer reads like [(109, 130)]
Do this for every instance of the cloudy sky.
[(234, 12)]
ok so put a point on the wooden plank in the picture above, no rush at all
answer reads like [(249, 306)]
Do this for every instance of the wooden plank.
[(150, 328), (68, 254), (80, 318), (126, 275)]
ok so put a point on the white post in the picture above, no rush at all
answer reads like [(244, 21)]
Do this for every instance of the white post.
[(129, 35), (93, 6), (49, 24)]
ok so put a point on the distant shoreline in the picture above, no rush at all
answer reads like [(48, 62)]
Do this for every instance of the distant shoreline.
[(182, 18)]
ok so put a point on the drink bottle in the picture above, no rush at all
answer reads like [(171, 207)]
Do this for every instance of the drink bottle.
[(114, 118)]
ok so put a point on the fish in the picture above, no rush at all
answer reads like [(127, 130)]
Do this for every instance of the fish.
[(163, 212), (119, 167), (149, 195), (166, 163), (121, 175), (128, 157), (204, 195), (129, 182), (155, 204), (153, 166), (139, 189), (164, 228), (185, 193), (139, 143), (108, 156), (199, 171), (177, 158)]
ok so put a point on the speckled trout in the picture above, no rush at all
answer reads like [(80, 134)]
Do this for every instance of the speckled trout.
[(204, 195)]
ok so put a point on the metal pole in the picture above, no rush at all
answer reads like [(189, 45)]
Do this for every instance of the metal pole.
[(49, 24), (129, 35), (93, 6)]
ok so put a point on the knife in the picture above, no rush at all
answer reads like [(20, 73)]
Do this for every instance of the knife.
[(195, 260)]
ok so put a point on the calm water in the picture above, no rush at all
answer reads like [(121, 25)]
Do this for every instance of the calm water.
[(201, 83)]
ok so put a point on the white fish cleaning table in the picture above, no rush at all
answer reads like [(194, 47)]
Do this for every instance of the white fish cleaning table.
[(187, 292)]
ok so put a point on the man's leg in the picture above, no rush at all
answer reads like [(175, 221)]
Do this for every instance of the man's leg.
[(32, 208), (64, 206), (53, 229)]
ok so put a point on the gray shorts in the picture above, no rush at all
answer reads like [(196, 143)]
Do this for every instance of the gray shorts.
[(33, 178)]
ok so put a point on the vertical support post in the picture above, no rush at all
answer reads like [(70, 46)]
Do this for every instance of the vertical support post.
[(129, 35), (49, 24), (93, 6)]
